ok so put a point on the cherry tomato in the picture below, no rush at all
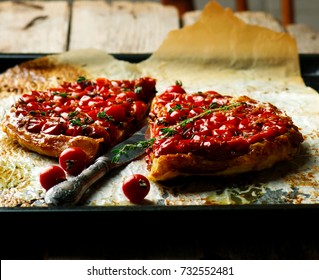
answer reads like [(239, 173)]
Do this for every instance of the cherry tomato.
[(139, 110), (101, 81), (168, 146), (26, 98), (177, 88), (117, 112), (51, 176), (136, 187), (35, 126), (52, 128), (73, 160), (73, 130), (33, 106)]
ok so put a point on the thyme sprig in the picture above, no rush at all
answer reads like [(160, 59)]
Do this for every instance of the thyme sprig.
[(169, 131), (129, 147)]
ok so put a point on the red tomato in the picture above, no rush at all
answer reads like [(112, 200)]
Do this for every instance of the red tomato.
[(117, 112), (28, 98), (73, 130), (136, 187), (52, 128), (176, 89), (139, 109), (73, 160), (101, 81), (33, 106), (35, 126), (51, 176)]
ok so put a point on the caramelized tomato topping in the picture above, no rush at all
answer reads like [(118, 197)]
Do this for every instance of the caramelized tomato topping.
[(212, 124), (91, 108)]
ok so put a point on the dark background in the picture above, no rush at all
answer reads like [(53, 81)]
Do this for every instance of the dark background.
[(164, 232)]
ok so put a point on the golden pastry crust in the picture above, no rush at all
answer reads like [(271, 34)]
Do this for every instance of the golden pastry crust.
[(49, 145), (235, 136), (260, 156)]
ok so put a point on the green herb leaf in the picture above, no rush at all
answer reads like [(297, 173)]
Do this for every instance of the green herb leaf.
[(167, 131), (176, 107), (213, 105), (179, 83), (129, 147), (72, 114), (103, 115), (62, 94), (228, 107), (137, 90), (81, 79), (76, 122)]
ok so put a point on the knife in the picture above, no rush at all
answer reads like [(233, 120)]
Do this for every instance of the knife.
[(69, 192)]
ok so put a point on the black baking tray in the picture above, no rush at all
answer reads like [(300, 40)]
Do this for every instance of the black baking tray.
[(309, 65), (204, 224)]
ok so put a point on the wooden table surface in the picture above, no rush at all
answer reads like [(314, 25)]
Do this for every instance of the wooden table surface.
[(58, 26), (124, 27), (116, 27)]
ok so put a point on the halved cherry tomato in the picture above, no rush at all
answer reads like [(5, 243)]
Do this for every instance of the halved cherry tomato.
[(136, 187), (33, 106), (117, 112), (52, 128), (51, 176), (73, 160), (26, 98), (139, 110), (35, 126)]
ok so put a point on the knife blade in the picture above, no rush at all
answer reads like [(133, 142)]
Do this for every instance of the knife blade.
[(69, 192)]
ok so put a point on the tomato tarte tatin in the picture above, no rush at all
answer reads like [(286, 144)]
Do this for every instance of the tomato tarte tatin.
[(207, 133), (85, 114)]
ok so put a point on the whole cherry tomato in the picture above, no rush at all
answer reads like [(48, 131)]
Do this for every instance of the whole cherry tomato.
[(73, 160), (177, 88), (136, 187), (51, 176)]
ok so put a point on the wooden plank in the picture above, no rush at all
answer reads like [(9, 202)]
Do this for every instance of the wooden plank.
[(33, 26), (122, 26)]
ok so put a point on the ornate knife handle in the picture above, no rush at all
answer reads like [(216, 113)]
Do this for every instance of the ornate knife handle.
[(70, 192)]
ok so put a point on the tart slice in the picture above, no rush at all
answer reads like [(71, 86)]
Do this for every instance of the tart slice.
[(92, 115), (207, 133)]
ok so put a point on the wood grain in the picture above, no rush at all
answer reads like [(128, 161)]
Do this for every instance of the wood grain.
[(122, 26), (33, 27)]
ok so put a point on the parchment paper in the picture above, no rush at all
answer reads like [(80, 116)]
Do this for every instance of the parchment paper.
[(219, 52)]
